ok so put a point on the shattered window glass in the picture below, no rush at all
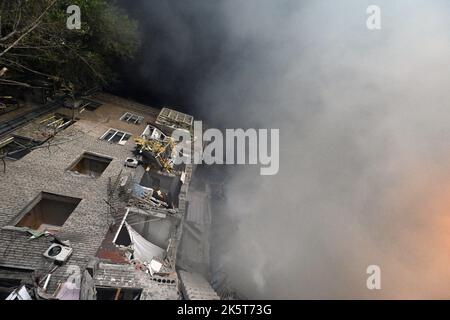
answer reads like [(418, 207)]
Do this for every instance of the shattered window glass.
[(116, 136)]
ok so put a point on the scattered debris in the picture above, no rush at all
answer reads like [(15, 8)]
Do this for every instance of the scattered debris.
[(160, 153), (47, 279), (155, 266), (144, 197), (35, 234)]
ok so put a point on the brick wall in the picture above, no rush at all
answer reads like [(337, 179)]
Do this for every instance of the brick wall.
[(45, 169), (125, 276)]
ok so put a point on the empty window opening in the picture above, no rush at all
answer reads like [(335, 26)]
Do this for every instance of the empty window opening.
[(91, 165), (132, 118), (17, 147), (7, 286), (90, 105), (123, 237), (47, 212), (116, 136), (13, 278), (104, 293)]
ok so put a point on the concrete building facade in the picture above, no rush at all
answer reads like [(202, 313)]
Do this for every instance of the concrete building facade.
[(53, 177)]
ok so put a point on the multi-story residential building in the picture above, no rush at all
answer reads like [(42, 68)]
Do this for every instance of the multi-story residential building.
[(91, 204)]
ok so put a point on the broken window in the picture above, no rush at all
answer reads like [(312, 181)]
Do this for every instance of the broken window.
[(122, 237), (91, 165), (132, 118), (90, 105), (156, 230), (12, 278), (116, 136), (151, 132), (150, 242), (174, 119), (17, 147), (106, 293), (166, 187), (47, 212), (7, 286), (57, 122)]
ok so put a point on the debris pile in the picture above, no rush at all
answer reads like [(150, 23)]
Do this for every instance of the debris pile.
[(146, 198), (157, 149)]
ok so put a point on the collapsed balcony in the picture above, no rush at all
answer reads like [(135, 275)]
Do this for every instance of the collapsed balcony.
[(158, 150), (147, 240), (159, 189)]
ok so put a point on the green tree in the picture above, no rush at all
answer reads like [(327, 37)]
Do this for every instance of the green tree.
[(35, 43)]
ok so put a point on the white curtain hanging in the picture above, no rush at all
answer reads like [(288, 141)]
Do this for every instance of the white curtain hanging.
[(144, 250)]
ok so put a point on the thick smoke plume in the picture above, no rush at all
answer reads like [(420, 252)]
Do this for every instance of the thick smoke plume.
[(364, 119)]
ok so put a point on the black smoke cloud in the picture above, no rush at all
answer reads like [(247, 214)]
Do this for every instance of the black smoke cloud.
[(181, 41), (364, 123)]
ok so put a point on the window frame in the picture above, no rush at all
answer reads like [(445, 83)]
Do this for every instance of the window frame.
[(27, 148), (116, 131), (127, 117)]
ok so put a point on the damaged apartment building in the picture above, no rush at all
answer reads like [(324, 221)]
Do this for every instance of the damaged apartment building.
[(91, 203)]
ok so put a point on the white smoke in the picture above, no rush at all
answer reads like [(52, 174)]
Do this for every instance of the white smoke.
[(364, 120)]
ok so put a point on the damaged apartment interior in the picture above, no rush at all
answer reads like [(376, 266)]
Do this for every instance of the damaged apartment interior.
[(93, 206)]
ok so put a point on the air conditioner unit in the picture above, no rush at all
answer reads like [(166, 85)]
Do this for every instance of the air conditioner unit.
[(131, 162), (58, 252)]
